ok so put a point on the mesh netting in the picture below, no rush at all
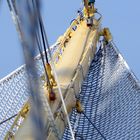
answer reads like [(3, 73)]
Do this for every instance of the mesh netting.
[(14, 93), (110, 97)]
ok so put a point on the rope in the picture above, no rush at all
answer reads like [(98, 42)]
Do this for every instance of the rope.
[(15, 18), (14, 7), (42, 34), (8, 119), (60, 92), (43, 39), (29, 27), (57, 81), (94, 126), (29, 56), (42, 96), (45, 104), (42, 58)]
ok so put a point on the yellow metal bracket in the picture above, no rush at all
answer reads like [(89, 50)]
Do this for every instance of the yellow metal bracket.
[(22, 114), (52, 83), (50, 75), (79, 106), (107, 34), (89, 10), (25, 110)]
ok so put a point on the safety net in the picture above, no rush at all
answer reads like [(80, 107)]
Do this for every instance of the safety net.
[(110, 97), (14, 93)]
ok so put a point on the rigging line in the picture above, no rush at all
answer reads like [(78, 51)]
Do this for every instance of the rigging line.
[(94, 126), (47, 107), (42, 58), (29, 27), (13, 10), (58, 84), (39, 43), (30, 63), (15, 20), (43, 40), (8, 119), (44, 102), (21, 38), (38, 39), (9, 5), (14, 7), (59, 89), (42, 35)]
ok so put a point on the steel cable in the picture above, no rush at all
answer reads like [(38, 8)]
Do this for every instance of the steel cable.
[(57, 81), (2, 122)]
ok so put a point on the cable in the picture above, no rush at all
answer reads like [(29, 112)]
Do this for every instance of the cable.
[(8, 119), (58, 84), (44, 102), (15, 18), (42, 34), (14, 6), (43, 98), (43, 40), (94, 126), (40, 48), (30, 27), (42, 58)]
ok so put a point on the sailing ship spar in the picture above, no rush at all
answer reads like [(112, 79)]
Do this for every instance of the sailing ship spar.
[(80, 88)]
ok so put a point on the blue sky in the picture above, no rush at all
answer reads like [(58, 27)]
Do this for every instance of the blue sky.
[(122, 17)]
